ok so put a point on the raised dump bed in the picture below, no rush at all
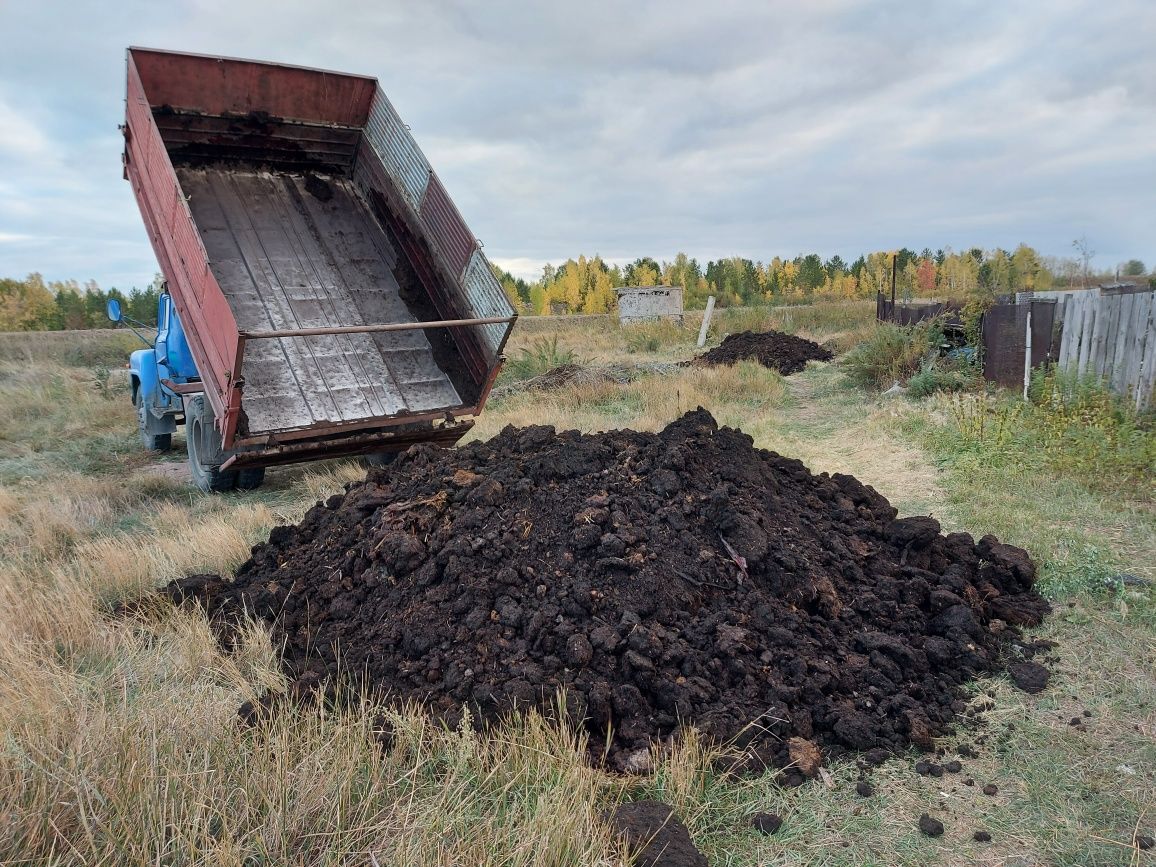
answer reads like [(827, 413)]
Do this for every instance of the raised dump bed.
[(332, 297)]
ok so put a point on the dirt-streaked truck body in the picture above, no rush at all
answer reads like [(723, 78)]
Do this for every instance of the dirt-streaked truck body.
[(330, 293)]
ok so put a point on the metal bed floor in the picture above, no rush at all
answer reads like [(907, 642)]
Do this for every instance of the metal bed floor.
[(287, 258)]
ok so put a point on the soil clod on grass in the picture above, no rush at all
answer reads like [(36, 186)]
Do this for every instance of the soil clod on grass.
[(1028, 676), (658, 580), (782, 352), (991, 789), (766, 823), (864, 789), (981, 837), (930, 826), (655, 835)]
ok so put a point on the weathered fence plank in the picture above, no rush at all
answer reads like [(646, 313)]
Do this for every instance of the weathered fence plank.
[(1119, 379), (1137, 328), (1066, 305), (1087, 323), (1146, 377), (1099, 329)]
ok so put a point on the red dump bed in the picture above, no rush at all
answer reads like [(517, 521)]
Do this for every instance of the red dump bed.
[(304, 237)]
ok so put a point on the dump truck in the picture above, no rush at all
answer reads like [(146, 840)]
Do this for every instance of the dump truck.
[(323, 297)]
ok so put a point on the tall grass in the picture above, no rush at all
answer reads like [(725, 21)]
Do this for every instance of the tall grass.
[(539, 357), (1087, 430), (654, 336), (88, 348), (893, 353)]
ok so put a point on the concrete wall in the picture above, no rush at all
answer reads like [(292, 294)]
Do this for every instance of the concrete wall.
[(649, 303)]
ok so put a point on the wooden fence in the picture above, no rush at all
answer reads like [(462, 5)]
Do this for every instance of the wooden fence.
[(1106, 332), (1112, 337)]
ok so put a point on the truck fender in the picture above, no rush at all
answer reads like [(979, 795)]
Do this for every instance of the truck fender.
[(143, 371), (146, 386)]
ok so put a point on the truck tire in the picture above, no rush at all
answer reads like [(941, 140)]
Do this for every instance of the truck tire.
[(204, 447), (250, 479), (153, 442)]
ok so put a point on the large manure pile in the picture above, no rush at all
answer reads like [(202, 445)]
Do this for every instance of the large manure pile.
[(683, 577), (782, 352)]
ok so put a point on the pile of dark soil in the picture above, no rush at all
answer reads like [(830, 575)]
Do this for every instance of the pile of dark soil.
[(782, 352), (661, 579)]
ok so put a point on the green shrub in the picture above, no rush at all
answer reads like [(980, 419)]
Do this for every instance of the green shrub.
[(942, 374), (543, 355), (1090, 431), (1069, 428), (893, 353)]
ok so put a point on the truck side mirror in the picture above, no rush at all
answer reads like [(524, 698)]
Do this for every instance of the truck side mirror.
[(113, 310)]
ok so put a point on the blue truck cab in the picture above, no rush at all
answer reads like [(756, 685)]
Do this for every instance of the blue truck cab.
[(158, 407), (163, 380)]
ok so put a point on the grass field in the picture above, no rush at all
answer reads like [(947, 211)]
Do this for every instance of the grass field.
[(118, 740)]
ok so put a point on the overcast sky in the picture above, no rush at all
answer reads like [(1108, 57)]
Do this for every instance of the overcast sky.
[(630, 128)]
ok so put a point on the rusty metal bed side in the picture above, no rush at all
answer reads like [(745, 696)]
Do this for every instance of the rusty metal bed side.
[(181, 254)]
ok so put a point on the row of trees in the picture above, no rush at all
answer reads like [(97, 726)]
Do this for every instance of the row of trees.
[(586, 285), (32, 304)]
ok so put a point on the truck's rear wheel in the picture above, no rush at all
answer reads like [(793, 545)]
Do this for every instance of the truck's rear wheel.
[(250, 479), (153, 442), (205, 449)]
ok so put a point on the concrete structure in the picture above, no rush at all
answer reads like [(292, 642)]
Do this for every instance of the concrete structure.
[(649, 304)]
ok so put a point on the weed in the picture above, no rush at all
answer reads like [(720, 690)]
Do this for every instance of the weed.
[(943, 374), (109, 384), (653, 336), (892, 353), (542, 355), (1087, 430), (985, 421), (107, 346)]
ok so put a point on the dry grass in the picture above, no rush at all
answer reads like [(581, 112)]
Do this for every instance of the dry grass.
[(91, 347), (118, 740), (648, 403)]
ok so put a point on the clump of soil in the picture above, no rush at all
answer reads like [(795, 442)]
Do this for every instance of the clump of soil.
[(655, 836), (930, 826), (782, 352), (767, 823), (1029, 676), (682, 577)]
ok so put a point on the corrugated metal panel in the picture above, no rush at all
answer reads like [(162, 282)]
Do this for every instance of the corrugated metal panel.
[(446, 227), (439, 220), (485, 296), (398, 152)]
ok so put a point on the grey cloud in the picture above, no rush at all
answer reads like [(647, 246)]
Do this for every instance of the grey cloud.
[(725, 128)]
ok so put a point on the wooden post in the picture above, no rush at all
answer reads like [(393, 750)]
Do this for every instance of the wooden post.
[(894, 260), (705, 322), (1028, 353)]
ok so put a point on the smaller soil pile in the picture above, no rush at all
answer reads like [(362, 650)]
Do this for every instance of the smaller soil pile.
[(782, 352), (576, 374), (683, 577)]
